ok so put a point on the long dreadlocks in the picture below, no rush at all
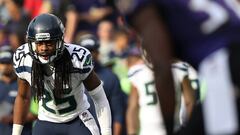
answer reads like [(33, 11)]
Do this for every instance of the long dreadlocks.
[(63, 67)]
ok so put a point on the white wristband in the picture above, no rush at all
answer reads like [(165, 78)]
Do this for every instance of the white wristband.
[(17, 129)]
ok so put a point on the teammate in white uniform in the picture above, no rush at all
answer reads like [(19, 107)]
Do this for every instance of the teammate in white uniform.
[(143, 99), (58, 74), (187, 88)]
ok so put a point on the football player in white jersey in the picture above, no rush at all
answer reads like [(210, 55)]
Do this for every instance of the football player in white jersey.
[(143, 99), (187, 88), (57, 74)]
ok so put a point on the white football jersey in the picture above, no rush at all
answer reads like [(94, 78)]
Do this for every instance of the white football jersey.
[(150, 116), (72, 103), (180, 70), (151, 121)]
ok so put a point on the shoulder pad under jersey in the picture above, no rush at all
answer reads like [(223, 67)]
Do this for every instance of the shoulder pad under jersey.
[(22, 61), (181, 69), (81, 59)]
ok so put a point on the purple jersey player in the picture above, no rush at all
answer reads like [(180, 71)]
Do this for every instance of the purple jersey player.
[(199, 31)]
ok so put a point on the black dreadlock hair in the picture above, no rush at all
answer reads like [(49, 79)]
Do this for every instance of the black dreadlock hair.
[(63, 67)]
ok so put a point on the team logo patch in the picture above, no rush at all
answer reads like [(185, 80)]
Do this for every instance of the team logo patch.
[(88, 60), (85, 114), (85, 117)]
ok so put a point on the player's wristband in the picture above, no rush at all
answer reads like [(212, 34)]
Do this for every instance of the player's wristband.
[(17, 129)]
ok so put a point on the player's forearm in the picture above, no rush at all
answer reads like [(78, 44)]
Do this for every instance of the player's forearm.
[(102, 110), (104, 118), (132, 121), (21, 109)]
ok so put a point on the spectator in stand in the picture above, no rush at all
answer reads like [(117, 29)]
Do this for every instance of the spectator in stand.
[(121, 43), (8, 93), (36, 7), (33, 7), (4, 15), (84, 15), (3, 36), (18, 18), (56, 7), (105, 33), (16, 39), (118, 56)]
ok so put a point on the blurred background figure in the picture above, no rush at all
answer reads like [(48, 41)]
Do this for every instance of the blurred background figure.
[(19, 19), (105, 33), (15, 39), (117, 99), (56, 7), (143, 112), (8, 90), (36, 7), (186, 91), (121, 44), (143, 99), (4, 15), (199, 32), (84, 15), (118, 57), (3, 36), (8, 93)]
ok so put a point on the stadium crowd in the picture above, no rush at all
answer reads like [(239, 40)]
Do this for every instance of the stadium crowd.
[(166, 67)]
